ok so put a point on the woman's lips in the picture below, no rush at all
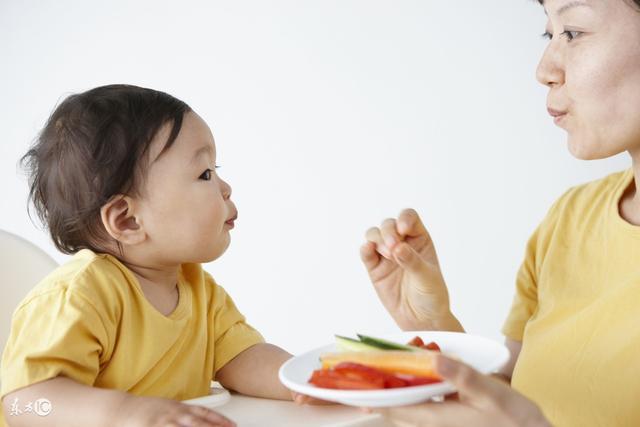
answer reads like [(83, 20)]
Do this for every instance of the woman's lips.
[(556, 114)]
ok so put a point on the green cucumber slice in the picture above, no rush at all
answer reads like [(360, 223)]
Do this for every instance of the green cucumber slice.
[(350, 344), (381, 344)]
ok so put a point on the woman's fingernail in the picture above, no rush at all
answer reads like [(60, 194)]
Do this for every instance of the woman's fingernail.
[(390, 241)]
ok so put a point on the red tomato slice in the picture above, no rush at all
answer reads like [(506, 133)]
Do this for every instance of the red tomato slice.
[(328, 378), (355, 376), (413, 380), (416, 342), (367, 373), (359, 371), (393, 381), (431, 346)]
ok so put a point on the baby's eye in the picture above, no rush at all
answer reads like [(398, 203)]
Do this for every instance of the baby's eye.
[(547, 35), (206, 175)]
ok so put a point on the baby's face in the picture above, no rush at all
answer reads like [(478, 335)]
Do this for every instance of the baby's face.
[(185, 207)]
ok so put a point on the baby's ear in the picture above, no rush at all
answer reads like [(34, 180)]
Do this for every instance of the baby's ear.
[(119, 219)]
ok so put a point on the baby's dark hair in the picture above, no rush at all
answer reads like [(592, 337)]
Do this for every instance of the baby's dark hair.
[(93, 147)]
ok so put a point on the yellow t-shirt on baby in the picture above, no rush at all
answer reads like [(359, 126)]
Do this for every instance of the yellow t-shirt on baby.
[(577, 310), (90, 321)]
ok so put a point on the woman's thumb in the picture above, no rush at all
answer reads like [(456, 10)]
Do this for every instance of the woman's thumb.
[(468, 382), (409, 259)]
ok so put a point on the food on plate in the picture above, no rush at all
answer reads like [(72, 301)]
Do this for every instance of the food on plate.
[(417, 342), (390, 361), (371, 363)]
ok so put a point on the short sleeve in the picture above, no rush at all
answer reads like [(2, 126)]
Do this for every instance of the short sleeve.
[(232, 334), (56, 333), (525, 300)]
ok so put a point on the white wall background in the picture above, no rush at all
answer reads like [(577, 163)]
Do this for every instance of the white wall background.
[(329, 116)]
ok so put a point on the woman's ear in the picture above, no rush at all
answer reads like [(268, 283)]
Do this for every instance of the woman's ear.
[(119, 219)]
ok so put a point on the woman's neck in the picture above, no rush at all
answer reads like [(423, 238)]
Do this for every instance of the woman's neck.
[(629, 204)]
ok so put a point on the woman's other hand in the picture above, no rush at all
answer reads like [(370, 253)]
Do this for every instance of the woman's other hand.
[(401, 260), (483, 401)]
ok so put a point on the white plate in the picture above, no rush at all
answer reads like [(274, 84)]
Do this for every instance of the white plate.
[(483, 354)]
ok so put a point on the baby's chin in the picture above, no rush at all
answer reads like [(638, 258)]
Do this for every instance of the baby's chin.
[(217, 250)]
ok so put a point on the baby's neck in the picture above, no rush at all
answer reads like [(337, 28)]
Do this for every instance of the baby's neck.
[(159, 286), (163, 278)]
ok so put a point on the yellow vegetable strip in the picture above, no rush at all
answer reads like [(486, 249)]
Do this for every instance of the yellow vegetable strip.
[(394, 362)]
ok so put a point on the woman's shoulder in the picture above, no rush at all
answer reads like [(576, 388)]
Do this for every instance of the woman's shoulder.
[(601, 186), (592, 193), (586, 204)]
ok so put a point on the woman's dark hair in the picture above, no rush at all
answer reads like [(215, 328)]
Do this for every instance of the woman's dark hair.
[(93, 147), (637, 2)]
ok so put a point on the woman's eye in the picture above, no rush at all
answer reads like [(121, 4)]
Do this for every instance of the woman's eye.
[(570, 35), (206, 175)]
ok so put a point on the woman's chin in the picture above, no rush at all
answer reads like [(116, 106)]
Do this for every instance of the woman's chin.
[(589, 150)]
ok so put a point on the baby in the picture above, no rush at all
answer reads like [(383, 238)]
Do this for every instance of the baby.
[(125, 180)]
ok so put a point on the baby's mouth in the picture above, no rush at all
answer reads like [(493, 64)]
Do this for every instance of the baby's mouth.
[(231, 221)]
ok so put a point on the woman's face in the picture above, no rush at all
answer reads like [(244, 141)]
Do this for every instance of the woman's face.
[(592, 69)]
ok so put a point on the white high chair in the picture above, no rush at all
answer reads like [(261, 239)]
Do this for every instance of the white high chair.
[(22, 266)]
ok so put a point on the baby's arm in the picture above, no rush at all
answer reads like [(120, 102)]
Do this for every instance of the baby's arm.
[(77, 405), (254, 372)]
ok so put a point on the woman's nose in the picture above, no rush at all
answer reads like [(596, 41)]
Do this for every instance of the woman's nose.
[(550, 71)]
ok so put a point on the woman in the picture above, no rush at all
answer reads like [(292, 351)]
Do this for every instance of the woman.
[(572, 328)]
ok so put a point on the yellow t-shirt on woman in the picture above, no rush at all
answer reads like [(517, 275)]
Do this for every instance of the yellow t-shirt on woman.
[(90, 321), (577, 310)]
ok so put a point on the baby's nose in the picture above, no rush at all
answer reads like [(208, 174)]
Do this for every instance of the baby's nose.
[(226, 190)]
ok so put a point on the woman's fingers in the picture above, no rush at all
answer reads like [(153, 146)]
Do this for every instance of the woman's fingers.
[(489, 395), (369, 255), (409, 224), (447, 414), (481, 390), (389, 233), (374, 235), (411, 261), (484, 401), (392, 231)]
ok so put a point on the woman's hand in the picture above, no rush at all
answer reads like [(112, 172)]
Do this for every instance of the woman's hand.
[(483, 401), (137, 411), (403, 266)]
